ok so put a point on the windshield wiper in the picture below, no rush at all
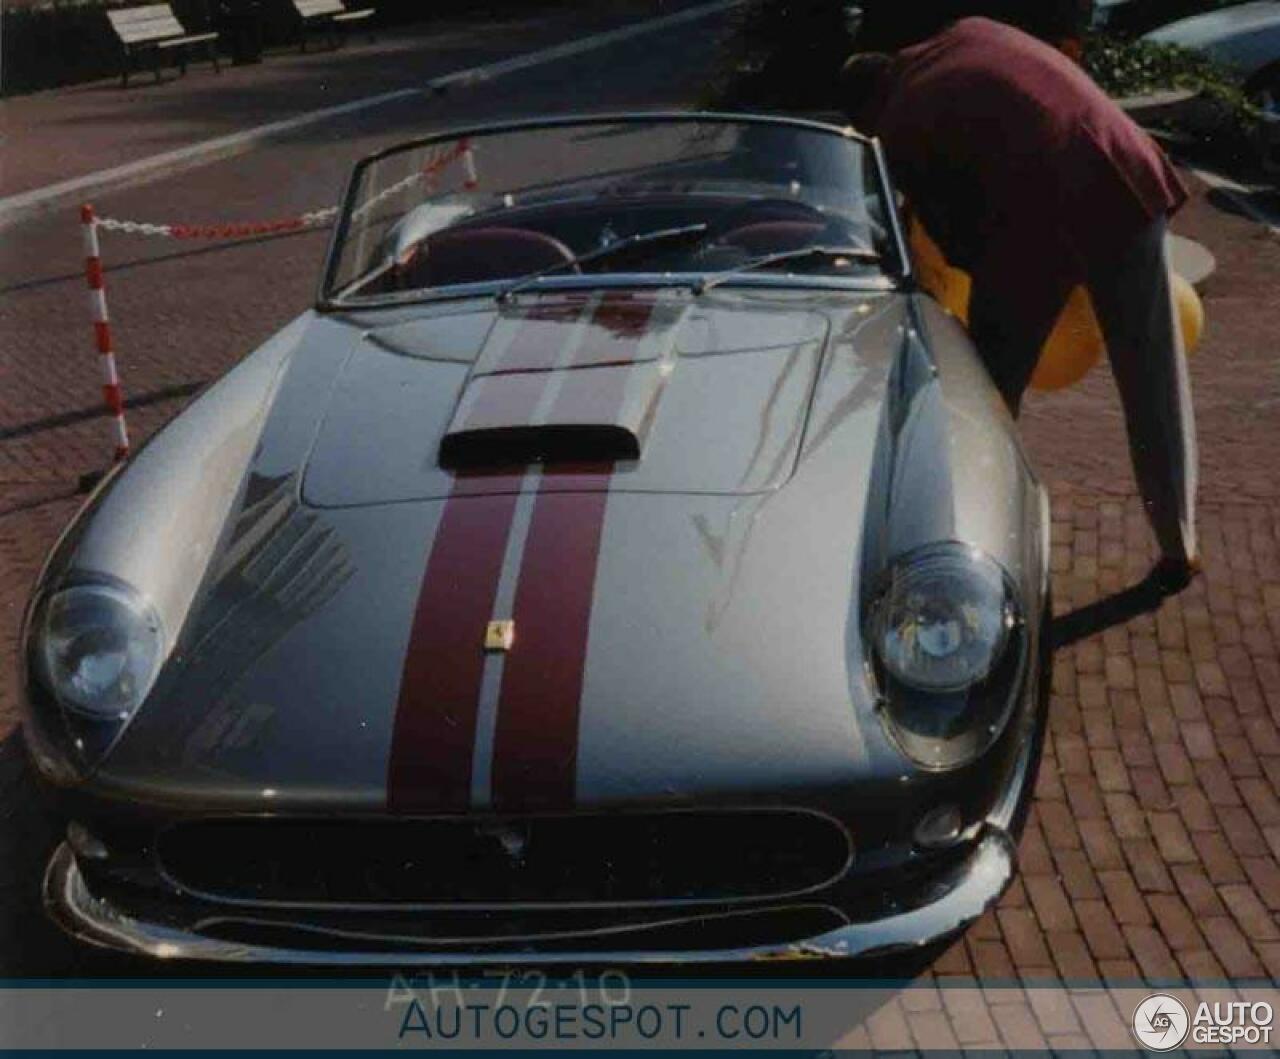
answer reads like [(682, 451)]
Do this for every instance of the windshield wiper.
[(662, 235), (856, 253)]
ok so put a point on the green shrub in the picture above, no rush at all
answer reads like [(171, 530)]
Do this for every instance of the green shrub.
[(1223, 117), (1136, 67)]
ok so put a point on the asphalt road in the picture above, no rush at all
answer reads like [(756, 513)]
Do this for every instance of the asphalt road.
[(1152, 849)]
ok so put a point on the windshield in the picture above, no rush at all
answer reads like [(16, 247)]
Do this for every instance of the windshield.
[(664, 199)]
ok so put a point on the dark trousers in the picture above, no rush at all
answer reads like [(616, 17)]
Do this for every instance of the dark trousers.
[(1011, 317)]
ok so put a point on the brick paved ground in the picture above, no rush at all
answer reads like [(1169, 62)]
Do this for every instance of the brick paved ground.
[(1153, 847)]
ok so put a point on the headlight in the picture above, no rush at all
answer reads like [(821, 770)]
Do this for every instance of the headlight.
[(99, 648), (950, 650), (943, 619)]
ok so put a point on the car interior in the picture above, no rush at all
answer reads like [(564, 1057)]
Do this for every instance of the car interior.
[(513, 242)]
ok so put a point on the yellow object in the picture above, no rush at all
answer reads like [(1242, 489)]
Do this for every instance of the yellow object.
[(1073, 347), (949, 286), (500, 636), (1076, 344), (1190, 312)]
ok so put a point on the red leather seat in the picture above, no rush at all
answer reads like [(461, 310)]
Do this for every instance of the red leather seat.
[(476, 255)]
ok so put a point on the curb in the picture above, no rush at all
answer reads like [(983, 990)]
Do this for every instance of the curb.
[(38, 201), (1241, 197), (1157, 106)]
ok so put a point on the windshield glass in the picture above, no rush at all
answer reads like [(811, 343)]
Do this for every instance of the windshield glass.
[(672, 198)]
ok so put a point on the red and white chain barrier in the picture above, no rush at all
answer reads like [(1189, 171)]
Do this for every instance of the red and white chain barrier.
[(90, 223), (111, 392), (430, 169), (441, 160), (219, 231)]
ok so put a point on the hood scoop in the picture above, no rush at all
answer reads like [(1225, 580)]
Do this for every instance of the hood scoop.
[(576, 414), (549, 443), (671, 396)]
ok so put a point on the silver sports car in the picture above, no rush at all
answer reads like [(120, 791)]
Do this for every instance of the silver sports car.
[(622, 562)]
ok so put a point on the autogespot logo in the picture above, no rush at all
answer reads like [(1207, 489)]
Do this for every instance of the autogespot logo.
[(1161, 1022)]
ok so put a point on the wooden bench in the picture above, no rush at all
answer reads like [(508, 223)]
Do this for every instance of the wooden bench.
[(156, 28), (331, 14)]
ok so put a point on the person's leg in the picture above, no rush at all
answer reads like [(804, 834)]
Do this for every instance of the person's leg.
[(1014, 305), (1134, 304)]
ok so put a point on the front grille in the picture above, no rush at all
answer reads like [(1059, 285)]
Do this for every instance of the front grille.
[(687, 931), (620, 858)]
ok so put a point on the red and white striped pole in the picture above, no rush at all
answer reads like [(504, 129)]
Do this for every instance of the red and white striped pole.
[(111, 392), (471, 176)]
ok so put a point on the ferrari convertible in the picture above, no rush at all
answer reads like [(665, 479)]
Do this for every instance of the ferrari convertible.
[(622, 562)]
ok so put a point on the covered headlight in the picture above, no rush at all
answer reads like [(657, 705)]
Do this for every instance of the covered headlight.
[(949, 649), (99, 647), (943, 619)]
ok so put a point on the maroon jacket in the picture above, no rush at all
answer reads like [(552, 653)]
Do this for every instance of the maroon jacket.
[(1012, 155)]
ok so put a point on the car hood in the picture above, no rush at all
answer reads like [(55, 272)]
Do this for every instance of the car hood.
[(378, 632), (681, 395)]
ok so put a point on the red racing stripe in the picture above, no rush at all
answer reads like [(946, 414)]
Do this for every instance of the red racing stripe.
[(511, 388), (500, 400), (434, 732), (536, 741), (535, 348)]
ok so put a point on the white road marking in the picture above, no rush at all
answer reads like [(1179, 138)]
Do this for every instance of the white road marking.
[(25, 204), (1241, 197)]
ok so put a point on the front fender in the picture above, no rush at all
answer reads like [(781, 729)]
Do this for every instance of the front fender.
[(155, 523)]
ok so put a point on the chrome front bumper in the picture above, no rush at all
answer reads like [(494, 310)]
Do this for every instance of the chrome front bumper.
[(968, 890), (92, 919)]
